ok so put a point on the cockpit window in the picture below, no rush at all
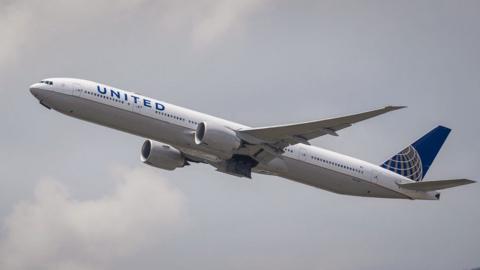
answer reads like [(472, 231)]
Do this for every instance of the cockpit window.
[(47, 82)]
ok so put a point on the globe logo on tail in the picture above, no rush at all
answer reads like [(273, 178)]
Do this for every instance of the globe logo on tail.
[(406, 163)]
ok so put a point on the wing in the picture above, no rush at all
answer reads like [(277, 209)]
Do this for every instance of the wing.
[(436, 185), (281, 136)]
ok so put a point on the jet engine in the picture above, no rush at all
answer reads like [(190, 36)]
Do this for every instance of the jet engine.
[(162, 156), (219, 138)]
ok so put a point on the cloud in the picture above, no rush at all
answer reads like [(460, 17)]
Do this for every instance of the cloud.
[(28, 23), (13, 23), (24, 23), (220, 17), (56, 231)]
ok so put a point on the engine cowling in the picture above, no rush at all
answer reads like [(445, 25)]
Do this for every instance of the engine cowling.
[(217, 137), (162, 156)]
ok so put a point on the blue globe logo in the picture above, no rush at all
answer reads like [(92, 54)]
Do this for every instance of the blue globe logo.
[(406, 163)]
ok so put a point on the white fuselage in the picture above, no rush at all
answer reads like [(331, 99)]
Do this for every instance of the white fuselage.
[(174, 125)]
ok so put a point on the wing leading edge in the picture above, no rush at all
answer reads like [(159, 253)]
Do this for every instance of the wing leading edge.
[(283, 135)]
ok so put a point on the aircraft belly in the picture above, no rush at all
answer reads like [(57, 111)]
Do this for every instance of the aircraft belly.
[(316, 176), (119, 119)]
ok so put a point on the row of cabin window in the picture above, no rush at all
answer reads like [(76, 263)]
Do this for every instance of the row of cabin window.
[(105, 97), (170, 115), (337, 164), (157, 112), (176, 117)]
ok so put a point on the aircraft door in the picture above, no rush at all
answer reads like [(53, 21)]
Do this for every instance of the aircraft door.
[(77, 89), (302, 152), (376, 176)]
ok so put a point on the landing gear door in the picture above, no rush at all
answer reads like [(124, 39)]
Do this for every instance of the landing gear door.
[(77, 89)]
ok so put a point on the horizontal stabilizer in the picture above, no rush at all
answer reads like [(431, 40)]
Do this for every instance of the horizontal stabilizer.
[(436, 185)]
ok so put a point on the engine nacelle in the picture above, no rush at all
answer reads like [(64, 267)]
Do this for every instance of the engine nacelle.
[(162, 156), (217, 137)]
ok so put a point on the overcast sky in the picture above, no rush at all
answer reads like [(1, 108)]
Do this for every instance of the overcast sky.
[(74, 195)]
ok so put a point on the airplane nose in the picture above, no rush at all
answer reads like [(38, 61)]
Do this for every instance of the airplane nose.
[(35, 90), (39, 93)]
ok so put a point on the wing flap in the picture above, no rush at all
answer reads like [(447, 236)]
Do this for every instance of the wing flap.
[(436, 185)]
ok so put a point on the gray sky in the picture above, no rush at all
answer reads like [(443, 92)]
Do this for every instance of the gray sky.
[(75, 196)]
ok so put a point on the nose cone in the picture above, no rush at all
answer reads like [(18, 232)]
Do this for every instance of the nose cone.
[(40, 93), (36, 90)]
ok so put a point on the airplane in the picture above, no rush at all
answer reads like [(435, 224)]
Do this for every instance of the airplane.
[(178, 136)]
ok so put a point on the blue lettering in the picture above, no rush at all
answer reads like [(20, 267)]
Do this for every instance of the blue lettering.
[(126, 97), (159, 106), (135, 99), (100, 90), (146, 103), (114, 93)]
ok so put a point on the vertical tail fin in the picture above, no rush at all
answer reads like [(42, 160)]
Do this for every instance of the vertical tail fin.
[(414, 161)]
